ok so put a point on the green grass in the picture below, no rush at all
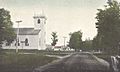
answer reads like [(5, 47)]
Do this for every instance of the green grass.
[(12, 62), (36, 51), (104, 56), (22, 62)]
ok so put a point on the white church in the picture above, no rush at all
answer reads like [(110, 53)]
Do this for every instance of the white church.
[(31, 38)]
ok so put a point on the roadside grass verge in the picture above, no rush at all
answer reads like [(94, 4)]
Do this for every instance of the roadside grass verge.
[(22, 62), (106, 57), (103, 56), (44, 52)]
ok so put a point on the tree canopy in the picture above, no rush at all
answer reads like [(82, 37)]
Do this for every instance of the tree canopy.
[(75, 41), (108, 25), (87, 45), (54, 38), (6, 27)]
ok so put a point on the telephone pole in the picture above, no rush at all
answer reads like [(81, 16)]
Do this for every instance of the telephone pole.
[(17, 38), (64, 41)]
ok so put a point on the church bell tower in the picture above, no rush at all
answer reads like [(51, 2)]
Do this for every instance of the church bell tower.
[(39, 23)]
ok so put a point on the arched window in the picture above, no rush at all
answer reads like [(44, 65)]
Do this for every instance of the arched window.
[(26, 42), (38, 21), (17, 42)]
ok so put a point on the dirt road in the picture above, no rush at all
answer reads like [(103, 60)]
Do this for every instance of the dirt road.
[(78, 62)]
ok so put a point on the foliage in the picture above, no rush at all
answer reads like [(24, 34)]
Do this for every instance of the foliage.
[(75, 41), (54, 38), (96, 43), (6, 30), (108, 25), (87, 45)]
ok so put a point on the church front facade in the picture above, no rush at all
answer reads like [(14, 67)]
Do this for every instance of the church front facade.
[(30, 38)]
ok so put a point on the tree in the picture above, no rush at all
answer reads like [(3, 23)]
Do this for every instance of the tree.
[(75, 41), (54, 38), (6, 30), (108, 25), (87, 45), (96, 43)]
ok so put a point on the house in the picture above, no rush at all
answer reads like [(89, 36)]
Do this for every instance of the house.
[(62, 48), (57, 48)]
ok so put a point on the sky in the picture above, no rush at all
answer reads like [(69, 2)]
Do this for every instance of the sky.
[(63, 16)]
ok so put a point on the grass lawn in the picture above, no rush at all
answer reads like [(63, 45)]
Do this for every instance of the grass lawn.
[(22, 62), (59, 53), (104, 56)]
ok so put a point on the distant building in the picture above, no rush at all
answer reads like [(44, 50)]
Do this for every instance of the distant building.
[(62, 48), (31, 38), (57, 48)]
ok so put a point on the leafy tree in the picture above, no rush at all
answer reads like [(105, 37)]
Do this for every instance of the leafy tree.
[(87, 45), (75, 41), (6, 30), (54, 38), (108, 25), (96, 43)]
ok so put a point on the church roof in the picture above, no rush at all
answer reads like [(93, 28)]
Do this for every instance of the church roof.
[(27, 31)]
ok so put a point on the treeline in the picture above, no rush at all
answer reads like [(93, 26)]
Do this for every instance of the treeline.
[(77, 43), (6, 27), (108, 28)]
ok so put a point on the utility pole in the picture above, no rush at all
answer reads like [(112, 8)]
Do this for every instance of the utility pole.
[(118, 49), (64, 41), (17, 38)]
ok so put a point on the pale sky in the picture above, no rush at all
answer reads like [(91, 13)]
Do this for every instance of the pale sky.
[(63, 16)]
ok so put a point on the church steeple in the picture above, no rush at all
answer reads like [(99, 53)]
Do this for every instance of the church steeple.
[(39, 21)]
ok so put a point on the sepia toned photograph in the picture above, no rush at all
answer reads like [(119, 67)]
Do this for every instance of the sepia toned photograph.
[(59, 35)]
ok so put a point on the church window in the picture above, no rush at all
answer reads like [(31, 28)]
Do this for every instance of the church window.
[(26, 42), (38, 21), (17, 43), (7, 44)]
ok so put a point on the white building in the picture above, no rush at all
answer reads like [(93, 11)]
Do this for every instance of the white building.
[(31, 38)]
